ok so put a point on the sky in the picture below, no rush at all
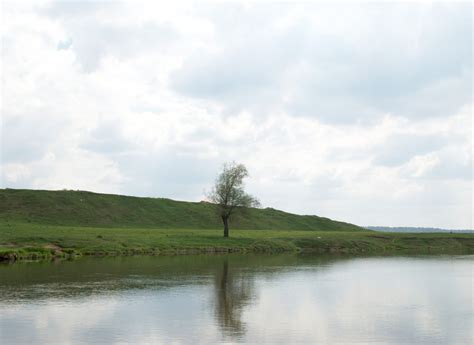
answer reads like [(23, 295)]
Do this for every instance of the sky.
[(360, 112)]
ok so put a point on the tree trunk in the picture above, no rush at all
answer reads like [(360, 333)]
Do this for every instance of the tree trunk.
[(225, 219)]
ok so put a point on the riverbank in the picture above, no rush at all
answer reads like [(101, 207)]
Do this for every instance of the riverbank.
[(26, 241)]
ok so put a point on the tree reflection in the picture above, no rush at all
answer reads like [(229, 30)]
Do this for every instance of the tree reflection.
[(233, 293)]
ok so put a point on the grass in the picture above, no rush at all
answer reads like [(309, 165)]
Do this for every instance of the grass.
[(59, 224), (36, 241), (78, 208)]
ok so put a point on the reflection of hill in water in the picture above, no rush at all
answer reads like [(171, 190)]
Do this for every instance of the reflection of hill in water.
[(231, 276)]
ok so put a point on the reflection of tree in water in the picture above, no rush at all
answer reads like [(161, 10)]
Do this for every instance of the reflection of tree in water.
[(233, 293)]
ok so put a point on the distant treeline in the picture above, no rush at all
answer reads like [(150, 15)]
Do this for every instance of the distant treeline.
[(415, 229)]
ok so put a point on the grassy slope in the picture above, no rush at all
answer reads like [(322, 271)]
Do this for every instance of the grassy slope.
[(40, 224), (77, 208)]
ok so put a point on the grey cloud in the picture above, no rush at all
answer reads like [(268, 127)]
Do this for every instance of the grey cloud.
[(74, 9), (161, 174), (399, 149), (64, 45), (247, 71), (25, 139), (452, 168), (338, 77), (181, 170), (175, 171), (244, 76), (292, 195), (107, 138), (94, 38), (94, 41)]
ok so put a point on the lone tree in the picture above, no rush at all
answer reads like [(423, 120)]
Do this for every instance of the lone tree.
[(228, 193)]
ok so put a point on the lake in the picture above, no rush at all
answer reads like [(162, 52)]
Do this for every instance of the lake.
[(239, 299)]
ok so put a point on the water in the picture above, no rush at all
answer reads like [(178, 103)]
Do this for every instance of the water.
[(239, 299)]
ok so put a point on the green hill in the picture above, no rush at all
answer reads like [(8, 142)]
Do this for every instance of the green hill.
[(80, 208), (38, 224)]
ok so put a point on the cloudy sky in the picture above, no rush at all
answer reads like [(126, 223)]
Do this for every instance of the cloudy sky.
[(361, 113)]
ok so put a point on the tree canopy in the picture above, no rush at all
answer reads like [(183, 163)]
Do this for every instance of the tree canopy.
[(228, 192)]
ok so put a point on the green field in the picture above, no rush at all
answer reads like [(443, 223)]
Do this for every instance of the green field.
[(42, 225), (32, 241), (78, 208)]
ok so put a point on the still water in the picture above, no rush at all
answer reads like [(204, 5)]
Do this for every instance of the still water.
[(239, 299)]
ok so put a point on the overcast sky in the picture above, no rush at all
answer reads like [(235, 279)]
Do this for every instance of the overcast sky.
[(361, 113)]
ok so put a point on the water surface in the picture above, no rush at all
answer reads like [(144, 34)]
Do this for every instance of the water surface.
[(239, 299)]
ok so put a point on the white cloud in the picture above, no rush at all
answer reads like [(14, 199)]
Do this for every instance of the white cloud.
[(363, 113), (339, 63)]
